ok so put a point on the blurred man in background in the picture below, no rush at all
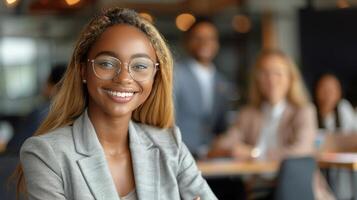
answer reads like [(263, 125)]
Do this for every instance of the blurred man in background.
[(201, 93), (202, 97)]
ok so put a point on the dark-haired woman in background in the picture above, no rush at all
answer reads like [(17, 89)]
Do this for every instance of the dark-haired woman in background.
[(334, 113), (335, 116)]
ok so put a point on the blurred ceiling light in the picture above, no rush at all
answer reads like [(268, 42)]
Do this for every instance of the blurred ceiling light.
[(343, 4), (184, 21), (11, 2), (72, 2), (241, 23), (147, 16)]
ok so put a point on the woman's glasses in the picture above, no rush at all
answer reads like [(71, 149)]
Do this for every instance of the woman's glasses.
[(139, 68)]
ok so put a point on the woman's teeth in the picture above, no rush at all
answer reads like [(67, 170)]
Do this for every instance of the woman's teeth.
[(121, 94)]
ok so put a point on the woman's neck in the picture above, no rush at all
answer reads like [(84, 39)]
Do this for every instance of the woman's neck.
[(112, 132), (275, 102)]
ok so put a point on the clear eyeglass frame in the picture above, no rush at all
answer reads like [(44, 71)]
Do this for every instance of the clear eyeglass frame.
[(126, 65)]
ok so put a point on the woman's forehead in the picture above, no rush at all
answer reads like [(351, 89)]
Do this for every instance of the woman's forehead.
[(274, 63), (123, 40)]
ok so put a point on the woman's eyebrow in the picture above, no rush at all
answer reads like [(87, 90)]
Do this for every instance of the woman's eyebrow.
[(107, 53), (113, 54), (140, 55)]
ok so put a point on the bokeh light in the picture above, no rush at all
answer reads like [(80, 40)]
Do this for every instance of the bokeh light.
[(184, 21)]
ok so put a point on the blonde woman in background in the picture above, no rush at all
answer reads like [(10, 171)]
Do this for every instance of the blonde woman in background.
[(279, 121), (110, 131)]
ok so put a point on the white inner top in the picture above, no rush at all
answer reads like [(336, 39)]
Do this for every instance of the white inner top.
[(269, 132), (205, 77), (131, 196)]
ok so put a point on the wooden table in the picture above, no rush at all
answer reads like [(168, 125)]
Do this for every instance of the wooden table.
[(218, 168), (223, 167), (341, 160), (230, 167)]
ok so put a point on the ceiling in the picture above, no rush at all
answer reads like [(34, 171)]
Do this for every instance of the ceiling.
[(48, 17), (202, 7), (165, 7)]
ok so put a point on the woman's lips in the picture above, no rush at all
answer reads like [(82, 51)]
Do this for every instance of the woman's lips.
[(121, 96)]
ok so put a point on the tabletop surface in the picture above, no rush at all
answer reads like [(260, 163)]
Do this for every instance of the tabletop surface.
[(217, 167), (224, 167), (338, 159)]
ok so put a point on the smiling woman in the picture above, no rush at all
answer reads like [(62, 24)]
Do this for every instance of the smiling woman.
[(113, 91), (110, 131)]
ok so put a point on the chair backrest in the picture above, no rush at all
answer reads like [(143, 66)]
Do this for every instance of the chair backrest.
[(339, 142), (295, 179), (7, 167)]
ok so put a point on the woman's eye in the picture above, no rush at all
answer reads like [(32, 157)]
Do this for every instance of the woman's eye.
[(139, 66), (106, 64)]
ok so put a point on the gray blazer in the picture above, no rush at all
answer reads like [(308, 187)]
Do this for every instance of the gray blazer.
[(69, 163)]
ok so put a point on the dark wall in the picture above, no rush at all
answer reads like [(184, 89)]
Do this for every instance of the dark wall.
[(329, 44)]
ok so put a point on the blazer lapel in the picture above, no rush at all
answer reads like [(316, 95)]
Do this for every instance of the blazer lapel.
[(98, 177), (256, 126), (146, 163), (93, 166)]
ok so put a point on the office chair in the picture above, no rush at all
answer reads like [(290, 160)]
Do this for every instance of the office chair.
[(295, 179)]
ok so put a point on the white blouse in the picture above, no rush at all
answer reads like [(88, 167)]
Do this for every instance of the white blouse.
[(269, 133), (205, 77), (348, 120)]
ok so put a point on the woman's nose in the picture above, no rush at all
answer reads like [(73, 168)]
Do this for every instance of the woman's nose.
[(123, 74)]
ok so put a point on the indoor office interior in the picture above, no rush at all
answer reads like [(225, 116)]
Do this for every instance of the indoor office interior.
[(265, 91)]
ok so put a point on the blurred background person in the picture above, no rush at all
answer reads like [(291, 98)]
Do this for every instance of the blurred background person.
[(31, 122), (279, 122), (334, 112), (335, 116), (6, 133), (201, 93)]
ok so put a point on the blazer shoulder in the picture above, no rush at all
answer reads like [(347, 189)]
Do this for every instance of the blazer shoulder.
[(181, 68), (249, 110), (56, 140), (163, 137), (45, 150)]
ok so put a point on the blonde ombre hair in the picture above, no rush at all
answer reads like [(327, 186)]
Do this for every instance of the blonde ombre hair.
[(71, 99), (296, 95)]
